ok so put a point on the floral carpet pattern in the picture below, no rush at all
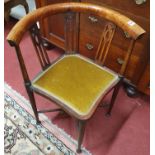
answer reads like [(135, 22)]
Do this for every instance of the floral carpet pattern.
[(23, 136)]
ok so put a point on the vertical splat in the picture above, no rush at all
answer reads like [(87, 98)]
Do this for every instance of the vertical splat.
[(104, 43), (71, 32), (127, 57), (38, 44)]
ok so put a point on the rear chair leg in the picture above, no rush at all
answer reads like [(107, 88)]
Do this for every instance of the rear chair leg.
[(81, 125), (33, 103), (114, 95)]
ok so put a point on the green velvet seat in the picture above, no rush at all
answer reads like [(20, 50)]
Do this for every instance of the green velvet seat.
[(76, 82)]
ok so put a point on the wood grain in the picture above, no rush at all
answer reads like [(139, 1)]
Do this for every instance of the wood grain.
[(133, 29)]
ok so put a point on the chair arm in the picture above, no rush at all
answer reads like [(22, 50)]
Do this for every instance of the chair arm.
[(133, 29)]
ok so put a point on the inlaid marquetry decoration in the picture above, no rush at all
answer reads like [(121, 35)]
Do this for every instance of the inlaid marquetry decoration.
[(71, 32), (104, 43), (39, 47)]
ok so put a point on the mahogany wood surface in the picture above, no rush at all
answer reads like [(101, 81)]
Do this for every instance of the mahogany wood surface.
[(144, 82)]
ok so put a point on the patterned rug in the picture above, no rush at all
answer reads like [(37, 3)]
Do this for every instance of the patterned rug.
[(22, 136)]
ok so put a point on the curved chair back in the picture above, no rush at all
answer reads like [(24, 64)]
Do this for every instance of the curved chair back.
[(118, 19), (71, 34)]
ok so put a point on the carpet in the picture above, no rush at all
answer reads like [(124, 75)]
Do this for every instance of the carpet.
[(22, 136)]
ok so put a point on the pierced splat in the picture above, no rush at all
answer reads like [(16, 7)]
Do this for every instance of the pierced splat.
[(71, 32), (38, 44), (104, 43)]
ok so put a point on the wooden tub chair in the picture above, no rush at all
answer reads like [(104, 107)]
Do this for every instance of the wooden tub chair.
[(75, 83)]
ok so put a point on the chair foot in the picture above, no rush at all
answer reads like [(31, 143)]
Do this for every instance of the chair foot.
[(108, 114), (62, 112), (32, 101), (78, 150), (38, 122), (114, 95), (81, 125)]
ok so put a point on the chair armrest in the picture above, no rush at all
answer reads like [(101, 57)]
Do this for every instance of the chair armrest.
[(133, 29)]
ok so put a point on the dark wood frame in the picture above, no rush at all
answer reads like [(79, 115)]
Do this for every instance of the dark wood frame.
[(28, 23)]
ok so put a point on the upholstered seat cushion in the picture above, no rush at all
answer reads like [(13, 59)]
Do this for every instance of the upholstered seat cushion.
[(75, 81)]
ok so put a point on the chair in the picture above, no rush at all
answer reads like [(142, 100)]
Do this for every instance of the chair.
[(75, 83)]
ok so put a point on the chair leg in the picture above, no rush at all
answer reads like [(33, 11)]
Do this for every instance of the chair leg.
[(81, 125), (114, 95), (33, 103)]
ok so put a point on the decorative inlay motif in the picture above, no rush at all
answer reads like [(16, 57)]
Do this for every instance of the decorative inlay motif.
[(105, 42)]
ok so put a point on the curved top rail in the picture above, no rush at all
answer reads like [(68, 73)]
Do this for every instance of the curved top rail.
[(133, 29)]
